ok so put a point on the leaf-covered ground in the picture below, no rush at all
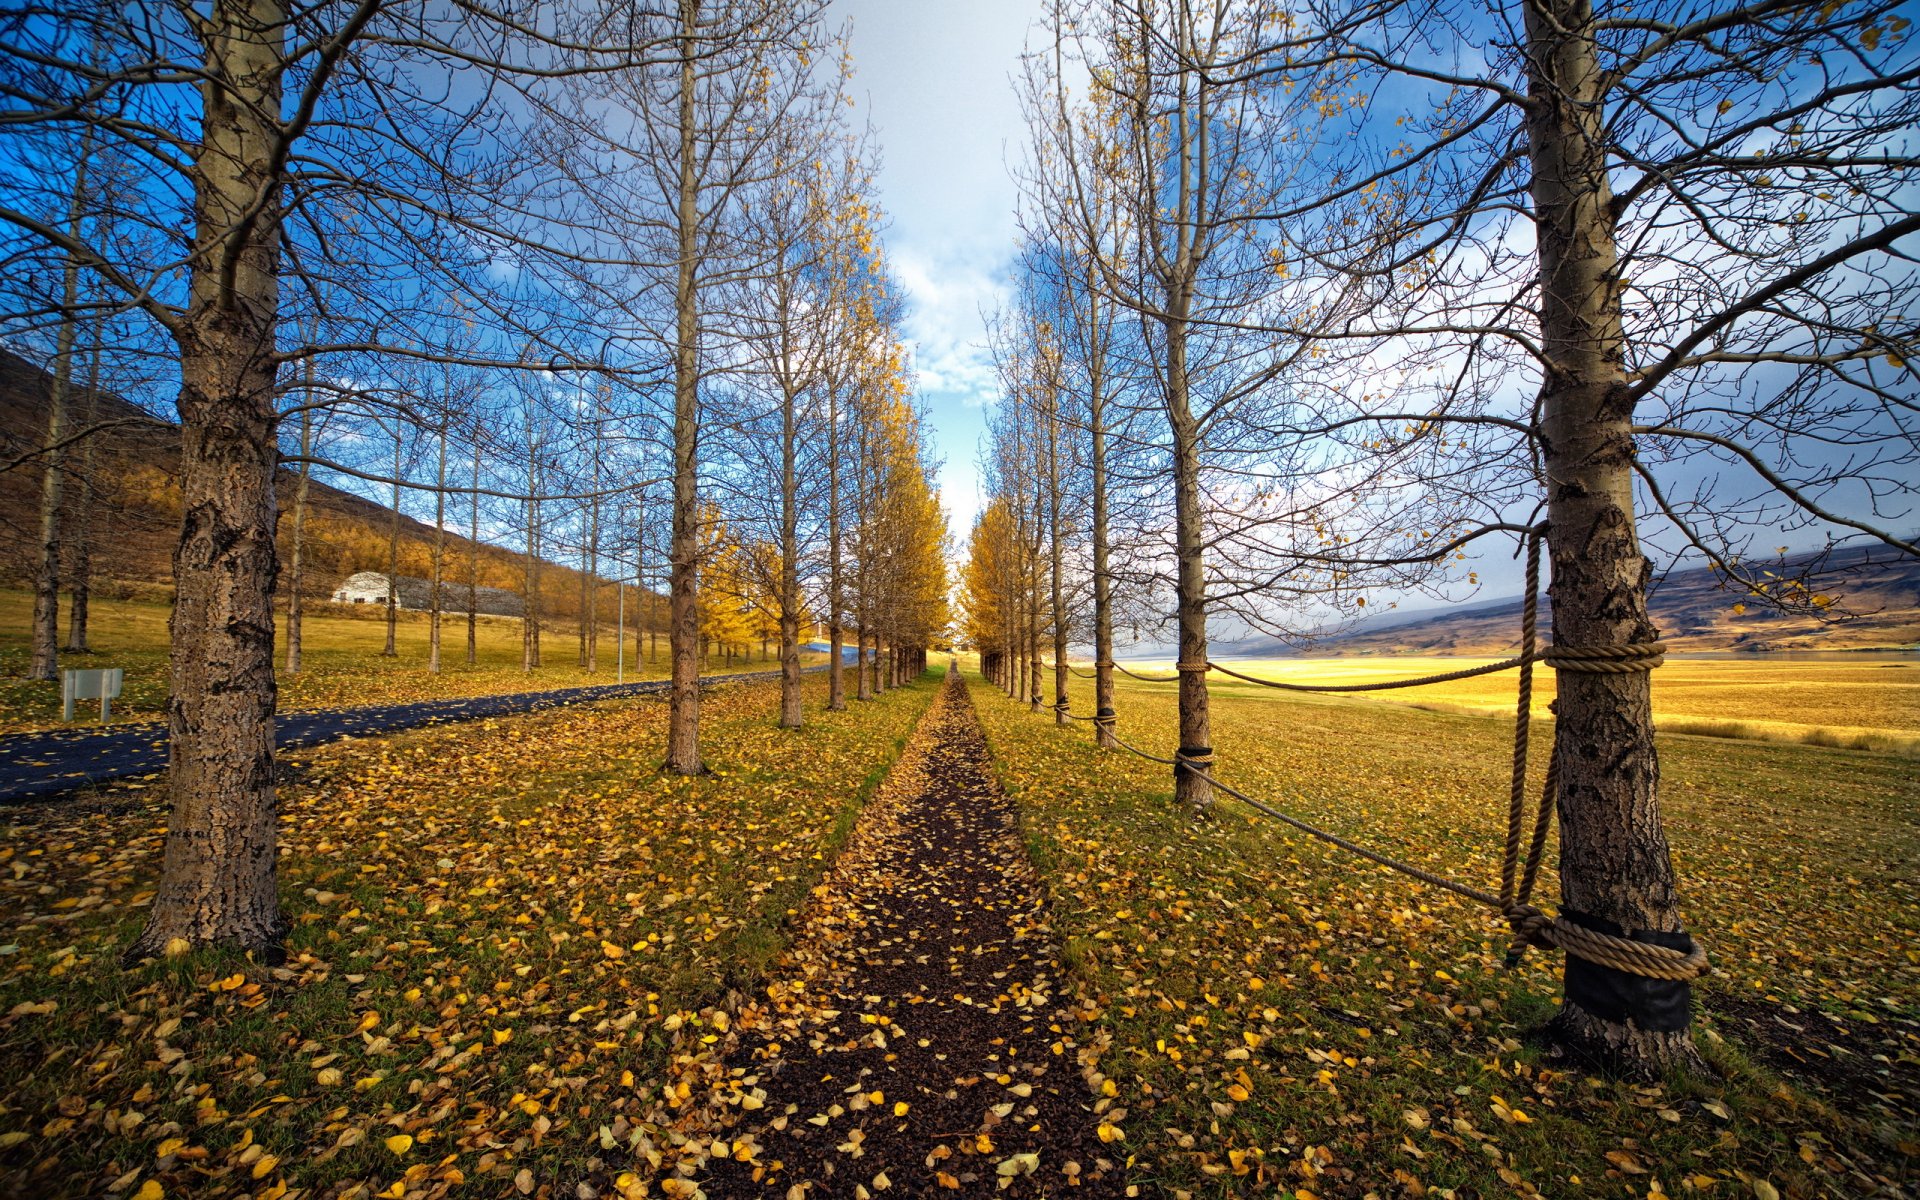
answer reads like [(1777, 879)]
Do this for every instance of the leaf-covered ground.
[(1285, 1019), (342, 663), (498, 928)]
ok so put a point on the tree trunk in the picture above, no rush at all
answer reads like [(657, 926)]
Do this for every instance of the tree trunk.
[(530, 618), (79, 538), (473, 561), (593, 564), (1191, 786), (45, 663), (217, 872), (1614, 863), (790, 712), (392, 559), (1103, 719), (392, 649), (296, 564), (683, 635), (439, 556), (1053, 533), (836, 679)]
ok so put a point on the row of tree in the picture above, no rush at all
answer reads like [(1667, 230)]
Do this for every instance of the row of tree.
[(613, 262), (1324, 298)]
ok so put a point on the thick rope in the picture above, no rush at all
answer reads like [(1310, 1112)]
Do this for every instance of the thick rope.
[(1387, 685), (1517, 875)]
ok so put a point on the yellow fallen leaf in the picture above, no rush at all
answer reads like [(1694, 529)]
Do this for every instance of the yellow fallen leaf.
[(400, 1143)]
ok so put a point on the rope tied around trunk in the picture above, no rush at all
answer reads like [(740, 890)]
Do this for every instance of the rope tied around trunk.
[(1519, 872)]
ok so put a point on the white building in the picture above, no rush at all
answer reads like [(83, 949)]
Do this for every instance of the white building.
[(416, 595)]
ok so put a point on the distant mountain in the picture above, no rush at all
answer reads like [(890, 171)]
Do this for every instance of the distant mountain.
[(1876, 605)]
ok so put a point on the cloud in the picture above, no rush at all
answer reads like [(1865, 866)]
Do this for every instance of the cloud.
[(948, 296)]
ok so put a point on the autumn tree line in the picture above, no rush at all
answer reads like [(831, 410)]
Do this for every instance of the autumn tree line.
[(1316, 300), (602, 283)]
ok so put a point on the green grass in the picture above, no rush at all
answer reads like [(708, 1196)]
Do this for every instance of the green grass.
[(1283, 1018), (495, 928), (341, 657)]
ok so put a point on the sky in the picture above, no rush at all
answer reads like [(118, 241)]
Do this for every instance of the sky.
[(935, 78)]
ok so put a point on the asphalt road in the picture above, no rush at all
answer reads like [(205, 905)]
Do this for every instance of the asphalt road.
[(36, 765)]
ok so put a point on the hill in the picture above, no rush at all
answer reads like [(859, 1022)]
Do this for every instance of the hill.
[(1876, 606), (130, 469)]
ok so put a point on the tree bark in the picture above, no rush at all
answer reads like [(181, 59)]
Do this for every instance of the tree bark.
[(836, 637), (593, 560), (439, 556), (1191, 786), (295, 566), (1054, 550), (683, 634), (1614, 862), (1102, 576), (45, 663), (473, 561), (79, 537), (217, 872), (392, 648), (790, 710)]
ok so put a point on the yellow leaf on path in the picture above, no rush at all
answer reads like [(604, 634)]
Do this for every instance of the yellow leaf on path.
[(368, 1020), (264, 1165), (612, 951), (150, 1190), (400, 1143)]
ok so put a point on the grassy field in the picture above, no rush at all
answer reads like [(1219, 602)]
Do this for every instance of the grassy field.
[(342, 664), (498, 931), (1283, 1019), (1867, 702)]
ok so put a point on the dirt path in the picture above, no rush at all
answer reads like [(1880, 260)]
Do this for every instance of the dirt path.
[(931, 1054)]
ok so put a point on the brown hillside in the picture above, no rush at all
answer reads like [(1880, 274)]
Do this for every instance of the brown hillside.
[(1876, 606), (135, 514)]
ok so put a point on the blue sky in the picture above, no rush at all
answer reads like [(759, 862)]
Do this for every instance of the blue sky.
[(935, 79)]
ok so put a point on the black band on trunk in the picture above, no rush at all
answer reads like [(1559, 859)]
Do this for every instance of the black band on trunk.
[(1655, 1005)]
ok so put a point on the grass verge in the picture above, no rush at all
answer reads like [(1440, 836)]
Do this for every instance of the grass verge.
[(1282, 1019), (496, 927), (342, 664)]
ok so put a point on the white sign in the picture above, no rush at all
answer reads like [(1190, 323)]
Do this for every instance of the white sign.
[(102, 684)]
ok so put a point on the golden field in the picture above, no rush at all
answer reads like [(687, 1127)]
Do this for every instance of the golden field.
[(1851, 701)]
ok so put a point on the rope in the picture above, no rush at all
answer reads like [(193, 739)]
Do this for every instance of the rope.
[(1518, 874), (1146, 678), (1446, 677), (1606, 660)]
